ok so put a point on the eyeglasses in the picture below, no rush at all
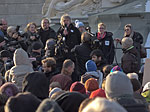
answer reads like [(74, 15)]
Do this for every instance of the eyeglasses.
[(127, 30)]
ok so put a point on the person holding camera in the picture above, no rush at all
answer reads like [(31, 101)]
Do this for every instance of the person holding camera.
[(14, 40), (106, 43), (31, 36)]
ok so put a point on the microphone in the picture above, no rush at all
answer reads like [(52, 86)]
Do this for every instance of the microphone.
[(65, 26), (64, 39)]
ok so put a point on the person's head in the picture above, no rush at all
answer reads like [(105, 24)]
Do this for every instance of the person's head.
[(49, 64), (107, 69), (85, 37), (126, 42), (37, 47), (90, 66), (103, 105), (37, 84), (9, 89), (45, 24), (96, 56), (22, 102), (31, 27), (54, 85), (68, 67), (84, 104), (80, 26), (116, 68), (117, 85), (70, 101), (53, 91), (133, 76), (91, 85), (78, 87), (3, 24), (65, 20), (5, 55), (48, 105), (128, 29), (101, 27), (11, 30)]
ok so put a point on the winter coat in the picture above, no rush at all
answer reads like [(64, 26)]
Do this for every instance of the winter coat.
[(73, 38), (82, 54), (21, 67), (30, 42), (107, 47), (130, 61), (98, 75), (45, 35)]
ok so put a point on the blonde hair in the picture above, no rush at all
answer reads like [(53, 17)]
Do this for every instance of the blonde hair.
[(11, 29), (101, 24), (63, 17), (28, 26)]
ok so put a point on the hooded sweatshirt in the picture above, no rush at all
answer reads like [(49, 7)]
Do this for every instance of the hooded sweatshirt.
[(22, 66)]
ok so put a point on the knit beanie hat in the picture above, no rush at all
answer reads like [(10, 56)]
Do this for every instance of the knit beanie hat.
[(77, 86), (36, 46), (5, 53), (9, 89), (54, 90), (70, 101), (85, 77), (147, 86), (116, 68), (78, 24), (98, 93), (103, 105), (22, 102), (136, 84), (91, 85), (90, 66), (127, 42), (132, 76), (118, 84), (48, 105)]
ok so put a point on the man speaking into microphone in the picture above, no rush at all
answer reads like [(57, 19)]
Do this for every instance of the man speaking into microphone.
[(70, 34)]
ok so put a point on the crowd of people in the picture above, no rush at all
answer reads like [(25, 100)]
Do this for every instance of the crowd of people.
[(70, 70)]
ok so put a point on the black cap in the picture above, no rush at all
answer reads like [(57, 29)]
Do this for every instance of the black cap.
[(5, 53), (36, 46)]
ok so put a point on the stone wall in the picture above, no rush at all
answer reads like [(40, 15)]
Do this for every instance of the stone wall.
[(21, 12)]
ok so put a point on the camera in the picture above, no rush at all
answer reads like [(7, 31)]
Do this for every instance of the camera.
[(8, 64)]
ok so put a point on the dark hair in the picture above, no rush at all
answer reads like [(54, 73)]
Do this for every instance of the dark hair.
[(97, 53), (50, 62), (107, 69)]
